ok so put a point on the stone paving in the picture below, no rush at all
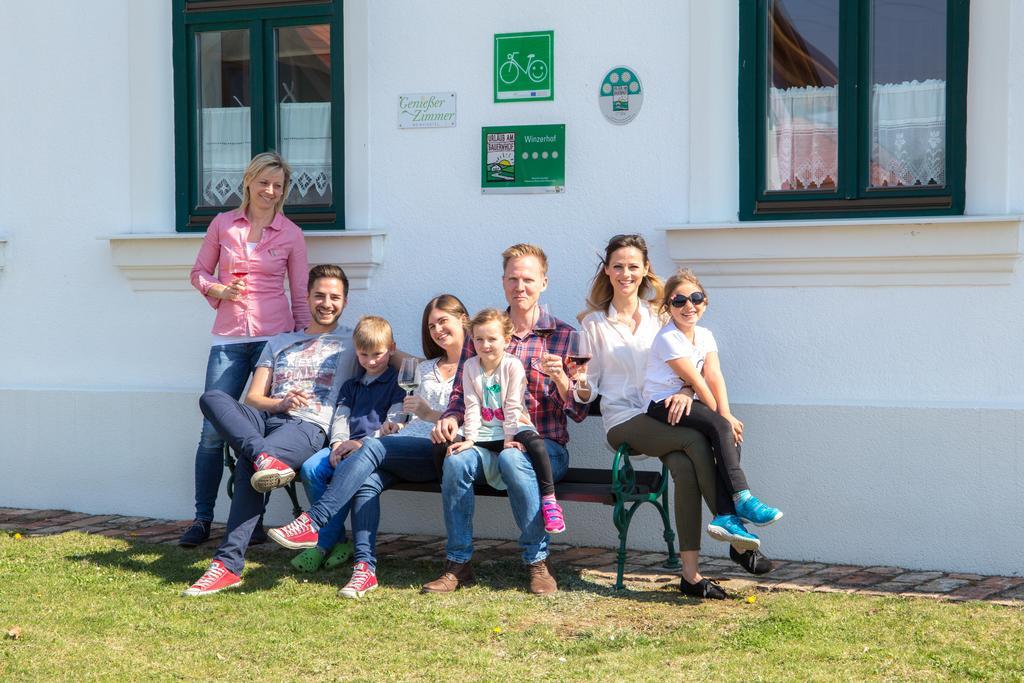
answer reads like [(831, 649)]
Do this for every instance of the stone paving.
[(597, 564)]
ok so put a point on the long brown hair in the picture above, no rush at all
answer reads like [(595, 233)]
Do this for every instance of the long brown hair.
[(600, 296), (448, 303)]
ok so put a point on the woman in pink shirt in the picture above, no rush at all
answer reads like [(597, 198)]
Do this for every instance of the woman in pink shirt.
[(241, 271)]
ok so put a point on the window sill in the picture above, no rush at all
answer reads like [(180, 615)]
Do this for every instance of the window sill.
[(971, 250), (161, 262)]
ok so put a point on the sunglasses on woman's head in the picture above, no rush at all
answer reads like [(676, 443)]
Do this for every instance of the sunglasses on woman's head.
[(695, 298)]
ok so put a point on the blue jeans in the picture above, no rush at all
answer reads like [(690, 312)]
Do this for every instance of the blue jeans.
[(463, 469), (316, 474), (359, 479), (227, 369)]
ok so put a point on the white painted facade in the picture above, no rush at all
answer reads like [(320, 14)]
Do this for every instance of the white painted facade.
[(877, 364)]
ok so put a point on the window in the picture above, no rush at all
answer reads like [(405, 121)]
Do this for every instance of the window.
[(252, 76), (852, 107)]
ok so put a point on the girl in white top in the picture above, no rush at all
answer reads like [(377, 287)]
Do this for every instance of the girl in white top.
[(684, 357), (494, 385)]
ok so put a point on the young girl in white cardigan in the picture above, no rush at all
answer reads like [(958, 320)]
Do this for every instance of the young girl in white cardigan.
[(494, 384)]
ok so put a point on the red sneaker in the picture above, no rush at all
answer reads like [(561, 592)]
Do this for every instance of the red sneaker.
[(297, 534), (215, 579), (362, 582), (270, 474)]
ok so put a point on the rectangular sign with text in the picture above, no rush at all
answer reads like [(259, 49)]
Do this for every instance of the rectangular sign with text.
[(523, 159)]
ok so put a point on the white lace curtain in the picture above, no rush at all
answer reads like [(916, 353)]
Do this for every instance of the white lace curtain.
[(305, 145), (908, 136)]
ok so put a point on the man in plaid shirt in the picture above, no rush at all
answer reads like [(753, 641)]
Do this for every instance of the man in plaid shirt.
[(548, 400)]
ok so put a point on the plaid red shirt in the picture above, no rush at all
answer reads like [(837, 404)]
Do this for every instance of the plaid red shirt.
[(547, 414)]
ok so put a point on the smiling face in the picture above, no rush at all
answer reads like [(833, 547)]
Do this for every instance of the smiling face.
[(626, 271), (686, 317), (266, 189), (523, 282), (326, 302), (446, 329), (489, 340)]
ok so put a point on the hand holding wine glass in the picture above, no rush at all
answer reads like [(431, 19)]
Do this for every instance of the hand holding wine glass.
[(408, 379), (577, 355), (236, 290)]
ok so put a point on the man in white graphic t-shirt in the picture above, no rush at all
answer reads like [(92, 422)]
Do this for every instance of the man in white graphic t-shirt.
[(285, 417)]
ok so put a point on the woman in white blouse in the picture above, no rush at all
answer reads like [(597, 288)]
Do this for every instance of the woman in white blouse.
[(620, 323)]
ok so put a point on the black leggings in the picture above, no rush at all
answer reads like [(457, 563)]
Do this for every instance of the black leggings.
[(718, 431), (535, 450)]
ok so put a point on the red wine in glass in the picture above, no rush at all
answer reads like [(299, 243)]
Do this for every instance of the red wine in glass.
[(579, 359)]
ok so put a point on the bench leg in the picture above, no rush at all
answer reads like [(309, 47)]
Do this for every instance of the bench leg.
[(622, 518)]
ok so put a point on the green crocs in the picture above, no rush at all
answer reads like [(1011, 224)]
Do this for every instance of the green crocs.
[(309, 560), (340, 555)]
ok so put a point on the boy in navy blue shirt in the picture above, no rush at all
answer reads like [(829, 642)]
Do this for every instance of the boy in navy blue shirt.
[(364, 403)]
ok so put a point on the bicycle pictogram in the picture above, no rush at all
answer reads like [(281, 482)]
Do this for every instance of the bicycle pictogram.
[(536, 69)]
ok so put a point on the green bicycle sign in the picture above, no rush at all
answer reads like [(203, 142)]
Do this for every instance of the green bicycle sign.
[(524, 66)]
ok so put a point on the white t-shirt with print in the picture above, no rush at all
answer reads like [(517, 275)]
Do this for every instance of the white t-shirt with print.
[(661, 381), (318, 364)]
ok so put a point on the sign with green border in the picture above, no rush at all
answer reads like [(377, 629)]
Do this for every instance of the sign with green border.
[(522, 159), (524, 66)]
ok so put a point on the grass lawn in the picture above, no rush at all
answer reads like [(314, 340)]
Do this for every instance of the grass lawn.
[(91, 607)]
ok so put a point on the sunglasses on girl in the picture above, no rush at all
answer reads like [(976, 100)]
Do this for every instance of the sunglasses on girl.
[(695, 298)]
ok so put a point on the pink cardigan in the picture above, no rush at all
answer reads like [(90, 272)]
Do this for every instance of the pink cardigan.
[(264, 309), (512, 377)]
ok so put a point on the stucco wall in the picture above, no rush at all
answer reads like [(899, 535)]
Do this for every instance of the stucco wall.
[(882, 419)]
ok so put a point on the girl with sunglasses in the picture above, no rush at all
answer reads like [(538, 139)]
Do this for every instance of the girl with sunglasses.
[(684, 359)]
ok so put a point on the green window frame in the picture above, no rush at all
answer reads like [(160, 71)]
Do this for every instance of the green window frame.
[(852, 194), (260, 20)]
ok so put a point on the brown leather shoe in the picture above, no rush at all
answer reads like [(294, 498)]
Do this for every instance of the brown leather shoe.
[(541, 580), (455, 575)]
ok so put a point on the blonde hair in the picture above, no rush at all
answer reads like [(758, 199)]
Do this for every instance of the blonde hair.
[(259, 164), (521, 250), (372, 332), (489, 315), (679, 277), (600, 297)]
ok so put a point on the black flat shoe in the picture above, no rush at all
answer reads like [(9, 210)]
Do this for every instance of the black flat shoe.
[(259, 535), (751, 560), (705, 589), (198, 533)]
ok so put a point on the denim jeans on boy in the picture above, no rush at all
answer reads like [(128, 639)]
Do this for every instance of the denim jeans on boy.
[(227, 369), (463, 469), (316, 475), (359, 479), (404, 458), (250, 432)]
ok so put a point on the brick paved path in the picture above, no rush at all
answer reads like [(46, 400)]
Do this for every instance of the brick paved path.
[(595, 563)]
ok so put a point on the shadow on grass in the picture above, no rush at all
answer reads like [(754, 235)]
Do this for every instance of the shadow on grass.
[(178, 568)]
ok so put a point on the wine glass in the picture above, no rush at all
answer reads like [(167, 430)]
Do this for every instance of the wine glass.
[(578, 352), (409, 380), (239, 269), (543, 327)]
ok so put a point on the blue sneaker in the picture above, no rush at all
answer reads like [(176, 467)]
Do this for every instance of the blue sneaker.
[(750, 509), (729, 529)]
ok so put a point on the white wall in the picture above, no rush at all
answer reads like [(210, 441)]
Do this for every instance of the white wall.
[(863, 404)]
